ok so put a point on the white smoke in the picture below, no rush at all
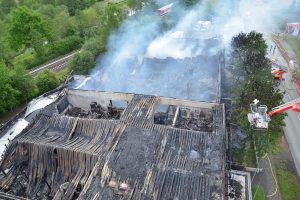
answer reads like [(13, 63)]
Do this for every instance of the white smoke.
[(181, 62)]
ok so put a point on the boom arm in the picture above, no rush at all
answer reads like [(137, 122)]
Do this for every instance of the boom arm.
[(292, 105)]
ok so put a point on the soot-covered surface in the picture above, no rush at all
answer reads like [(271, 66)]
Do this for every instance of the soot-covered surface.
[(64, 157)]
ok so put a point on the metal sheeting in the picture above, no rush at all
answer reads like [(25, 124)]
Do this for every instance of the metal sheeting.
[(132, 158)]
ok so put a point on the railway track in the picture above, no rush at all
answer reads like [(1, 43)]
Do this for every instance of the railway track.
[(55, 65)]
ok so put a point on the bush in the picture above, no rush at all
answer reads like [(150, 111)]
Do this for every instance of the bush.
[(8, 95), (24, 83), (82, 62), (65, 45), (46, 81), (36, 61), (95, 46), (252, 79), (56, 49)]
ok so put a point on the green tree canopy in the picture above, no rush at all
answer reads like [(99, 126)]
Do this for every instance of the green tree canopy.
[(46, 81), (7, 5), (136, 4), (111, 17), (82, 62), (253, 80), (63, 25), (75, 5), (88, 22), (27, 28), (249, 51), (22, 81), (8, 95)]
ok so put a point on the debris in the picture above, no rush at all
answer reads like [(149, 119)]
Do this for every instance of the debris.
[(97, 150)]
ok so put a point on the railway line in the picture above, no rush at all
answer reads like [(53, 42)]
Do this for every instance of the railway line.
[(55, 65)]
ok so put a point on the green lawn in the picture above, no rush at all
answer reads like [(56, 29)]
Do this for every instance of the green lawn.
[(289, 188), (294, 43), (258, 192)]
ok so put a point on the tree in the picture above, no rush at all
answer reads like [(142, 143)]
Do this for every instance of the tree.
[(8, 95), (111, 17), (136, 4), (46, 81), (5, 50), (63, 25), (95, 46), (75, 5), (253, 80), (7, 5), (82, 62), (28, 29), (249, 51), (23, 82), (49, 10), (88, 22)]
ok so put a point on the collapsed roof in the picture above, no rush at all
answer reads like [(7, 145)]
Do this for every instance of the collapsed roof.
[(102, 145)]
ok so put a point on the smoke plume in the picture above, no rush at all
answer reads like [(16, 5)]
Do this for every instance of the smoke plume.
[(178, 55)]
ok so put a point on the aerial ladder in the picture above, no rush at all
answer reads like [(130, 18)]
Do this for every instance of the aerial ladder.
[(259, 117)]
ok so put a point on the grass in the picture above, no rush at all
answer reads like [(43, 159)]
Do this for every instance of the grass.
[(21, 59), (294, 43), (275, 149), (258, 192), (289, 188), (62, 75)]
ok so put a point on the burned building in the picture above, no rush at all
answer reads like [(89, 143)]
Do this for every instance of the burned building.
[(105, 145), (194, 77)]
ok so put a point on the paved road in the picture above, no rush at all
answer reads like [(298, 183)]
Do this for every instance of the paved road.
[(292, 128), (266, 179)]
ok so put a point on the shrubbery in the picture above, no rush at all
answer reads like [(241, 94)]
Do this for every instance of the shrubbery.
[(58, 48), (8, 95), (82, 62), (24, 83), (95, 45), (16, 87), (65, 46), (46, 80)]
